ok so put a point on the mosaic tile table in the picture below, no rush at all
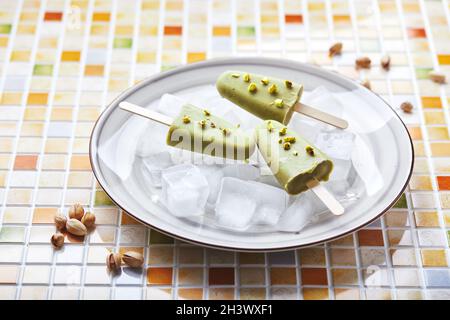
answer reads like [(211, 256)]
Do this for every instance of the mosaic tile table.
[(62, 61)]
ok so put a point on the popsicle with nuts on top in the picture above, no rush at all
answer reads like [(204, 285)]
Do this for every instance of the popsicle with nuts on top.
[(295, 163), (197, 130), (269, 98)]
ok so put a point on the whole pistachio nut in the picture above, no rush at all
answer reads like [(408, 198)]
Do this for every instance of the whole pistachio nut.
[(75, 227), (60, 221), (335, 49), (88, 220), (113, 261), (57, 240), (76, 211), (385, 62), (363, 63), (133, 259)]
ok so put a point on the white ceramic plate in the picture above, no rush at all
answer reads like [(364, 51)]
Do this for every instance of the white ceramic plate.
[(378, 127)]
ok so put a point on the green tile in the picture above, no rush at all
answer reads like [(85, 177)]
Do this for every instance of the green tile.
[(401, 203), (102, 199), (12, 234), (422, 73), (43, 70), (159, 238), (5, 28), (167, 67), (246, 31), (448, 238), (123, 43)]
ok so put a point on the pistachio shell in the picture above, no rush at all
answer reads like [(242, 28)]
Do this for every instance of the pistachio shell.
[(60, 221), (57, 240), (113, 261), (133, 259), (75, 227), (88, 219), (76, 211)]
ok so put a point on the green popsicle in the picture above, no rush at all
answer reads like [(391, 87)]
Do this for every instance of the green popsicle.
[(293, 160), (265, 97), (199, 131)]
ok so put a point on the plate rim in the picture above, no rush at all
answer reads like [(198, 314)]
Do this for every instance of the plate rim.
[(253, 59)]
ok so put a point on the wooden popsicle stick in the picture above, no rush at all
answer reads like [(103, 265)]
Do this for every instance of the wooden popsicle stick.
[(147, 113), (320, 115), (326, 197)]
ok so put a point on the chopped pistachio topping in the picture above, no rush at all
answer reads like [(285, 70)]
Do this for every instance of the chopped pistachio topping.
[(213, 125), (265, 81), (186, 119), (283, 131), (225, 131), (252, 87), (247, 161), (246, 77), (269, 126), (207, 113), (202, 123), (272, 89), (288, 84), (235, 75), (295, 153), (238, 125), (280, 141), (290, 139), (310, 150), (286, 146), (279, 103)]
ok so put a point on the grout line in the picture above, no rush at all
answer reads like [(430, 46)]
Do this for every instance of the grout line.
[(209, 29)]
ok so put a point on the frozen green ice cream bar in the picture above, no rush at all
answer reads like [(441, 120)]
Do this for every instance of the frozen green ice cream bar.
[(292, 159), (199, 131), (265, 97)]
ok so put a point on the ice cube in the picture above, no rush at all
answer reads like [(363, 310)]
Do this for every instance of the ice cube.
[(308, 129), (234, 207), (214, 175), (298, 215), (337, 144), (184, 190), (170, 105), (153, 166), (240, 118), (152, 140), (323, 99), (241, 171), (267, 215)]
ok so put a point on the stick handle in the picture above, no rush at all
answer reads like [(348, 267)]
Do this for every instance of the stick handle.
[(146, 113), (320, 115), (326, 197)]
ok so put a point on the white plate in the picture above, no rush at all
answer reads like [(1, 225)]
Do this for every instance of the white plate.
[(377, 125)]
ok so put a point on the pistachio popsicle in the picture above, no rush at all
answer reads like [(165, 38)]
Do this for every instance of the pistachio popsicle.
[(293, 160), (267, 98), (270, 98), (197, 130)]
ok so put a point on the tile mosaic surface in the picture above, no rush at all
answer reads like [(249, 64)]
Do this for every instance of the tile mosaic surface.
[(61, 61)]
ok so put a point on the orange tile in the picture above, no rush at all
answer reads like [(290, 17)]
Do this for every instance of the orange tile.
[(444, 182), (341, 18), (3, 42), (438, 133), (283, 276), (37, 98), (433, 258), (70, 56), (140, 250), (80, 162), (195, 56), (370, 238), (221, 31), (101, 16), (10, 97), (444, 58), (173, 30), (221, 276), (315, 294), (420, 183), (314, 276), (161, 276), (53, 16), (415, 132), (190, 293), (426, 218), (293, 18), (346, 294), (127, 219), (221, 294), (417, 33), (94, 70), (431, 102), (25, 162), (440, 149), (44, 215)]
